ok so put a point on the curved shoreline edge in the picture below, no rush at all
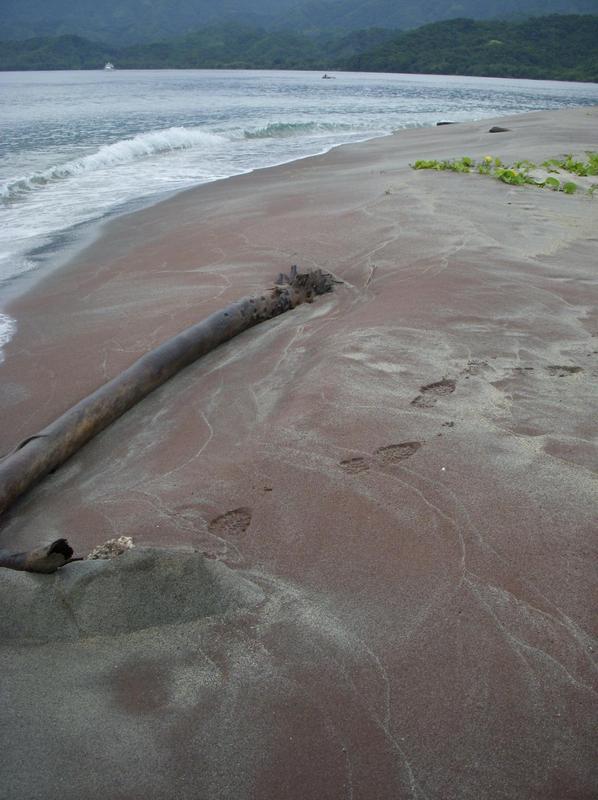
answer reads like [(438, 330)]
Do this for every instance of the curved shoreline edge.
[(96, 229)]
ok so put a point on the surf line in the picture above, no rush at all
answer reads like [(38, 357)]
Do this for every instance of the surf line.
[(43, 452), (7, 331)]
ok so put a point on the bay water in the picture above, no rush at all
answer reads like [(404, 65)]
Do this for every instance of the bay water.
[(77, 147)]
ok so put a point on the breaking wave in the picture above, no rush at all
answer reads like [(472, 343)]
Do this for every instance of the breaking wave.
[(109, 155), (282, 130), (7, 329)]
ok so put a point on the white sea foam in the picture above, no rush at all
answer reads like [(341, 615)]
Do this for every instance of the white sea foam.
[(7, 331), (283, 130), (117, 153), (77, 147)]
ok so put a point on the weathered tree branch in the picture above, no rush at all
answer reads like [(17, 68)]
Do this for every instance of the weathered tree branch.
[(43, 452), (47, 558)]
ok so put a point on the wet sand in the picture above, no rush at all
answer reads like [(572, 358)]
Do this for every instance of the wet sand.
[(405, 469)]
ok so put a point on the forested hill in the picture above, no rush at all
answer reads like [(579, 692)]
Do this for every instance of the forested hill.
[(555, 47), (122, 22), (224, 46)]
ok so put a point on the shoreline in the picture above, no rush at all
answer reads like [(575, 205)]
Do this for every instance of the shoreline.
[(397, 482), (17, 285), (95, 228), (83, 253), (318, 72)]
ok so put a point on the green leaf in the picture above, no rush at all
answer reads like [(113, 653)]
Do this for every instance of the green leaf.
[(511, 176), (424, 164), (592, 163)]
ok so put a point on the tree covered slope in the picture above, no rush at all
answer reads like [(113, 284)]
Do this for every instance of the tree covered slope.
[(557, 47), (226, 45), (560, 47)]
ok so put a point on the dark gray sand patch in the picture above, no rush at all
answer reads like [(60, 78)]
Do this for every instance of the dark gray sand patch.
[(143, 588), (140, 686)]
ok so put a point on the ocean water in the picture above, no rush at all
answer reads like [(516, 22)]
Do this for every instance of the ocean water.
[(80, 146)]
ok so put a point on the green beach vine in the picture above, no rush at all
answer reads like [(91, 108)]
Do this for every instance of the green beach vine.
[(523, 172)]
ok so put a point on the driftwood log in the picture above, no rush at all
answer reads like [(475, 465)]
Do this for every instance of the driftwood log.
[(46, 558), (42, 453)]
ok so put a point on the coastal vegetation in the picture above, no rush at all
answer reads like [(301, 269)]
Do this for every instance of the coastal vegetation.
[(552, 47), (559, 47), (223, 46), (555, 173)]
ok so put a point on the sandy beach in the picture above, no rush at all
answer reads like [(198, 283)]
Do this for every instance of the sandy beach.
[(399, 481)]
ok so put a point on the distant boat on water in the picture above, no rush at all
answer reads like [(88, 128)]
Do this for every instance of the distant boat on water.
[(326, 77), (108, 65)]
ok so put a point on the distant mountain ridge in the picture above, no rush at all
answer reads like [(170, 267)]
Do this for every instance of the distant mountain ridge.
[(122, 22), (556, 47), (407, 14)]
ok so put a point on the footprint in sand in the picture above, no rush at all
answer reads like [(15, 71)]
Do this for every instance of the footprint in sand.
[(432, 391), (352, 466), (394, 453), (386, 456), (233, 522), (558, 371), (475, 366)]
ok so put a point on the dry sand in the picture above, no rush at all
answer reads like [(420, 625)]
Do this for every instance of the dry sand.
[(424, 558)]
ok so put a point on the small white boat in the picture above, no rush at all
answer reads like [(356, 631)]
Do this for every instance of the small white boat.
[(108, 65), (326, 77)]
